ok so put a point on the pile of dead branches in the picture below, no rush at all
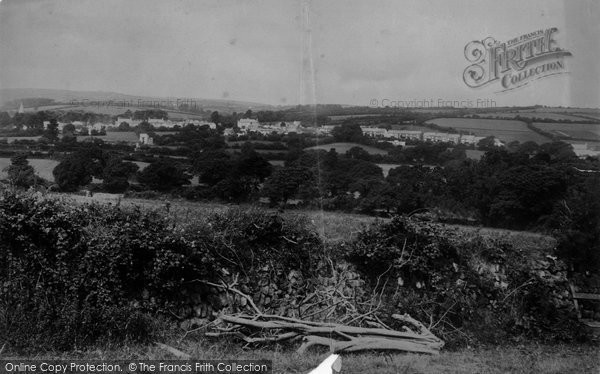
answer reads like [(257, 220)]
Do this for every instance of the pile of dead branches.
[(265, 328)]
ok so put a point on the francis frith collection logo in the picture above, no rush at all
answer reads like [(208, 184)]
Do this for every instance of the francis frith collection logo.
[(516, 62)]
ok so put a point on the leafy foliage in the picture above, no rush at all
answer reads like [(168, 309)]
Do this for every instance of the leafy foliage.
[(74, 276), (469, 289), (20, 173), (163, 175)]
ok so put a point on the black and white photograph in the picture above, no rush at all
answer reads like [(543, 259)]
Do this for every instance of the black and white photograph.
[(299, 186)]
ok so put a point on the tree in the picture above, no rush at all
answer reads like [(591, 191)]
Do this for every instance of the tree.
[(69, 128), (71, 173), (116, 175), (487, 143), (358, 153), (124, 126), (145, 127), (51, 132), (20, 173), (525, 195), (77, 169), (163, 175), (5, 120), (350, 132), (578, 221), (285, 183), (215, 117)]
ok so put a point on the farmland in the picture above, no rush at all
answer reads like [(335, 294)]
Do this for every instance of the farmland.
[(342, 148), (12, 139), (544, 115), (571, 130), (505, 130), (42, 167)]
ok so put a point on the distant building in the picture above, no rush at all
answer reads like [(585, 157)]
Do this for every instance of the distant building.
[(325, 129), (248, 124), (405, 134), (129, 121), (374, 132), (146, 139), (583, 151), (21, 109)]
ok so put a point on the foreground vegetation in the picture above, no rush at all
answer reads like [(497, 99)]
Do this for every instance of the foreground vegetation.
[(76, 276), (519, 359)]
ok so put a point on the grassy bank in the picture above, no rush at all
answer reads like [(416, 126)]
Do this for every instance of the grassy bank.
[(331, 226), (520, 359)]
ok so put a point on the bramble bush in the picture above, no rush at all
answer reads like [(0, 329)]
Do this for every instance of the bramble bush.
[(75, 275), (467, 288)]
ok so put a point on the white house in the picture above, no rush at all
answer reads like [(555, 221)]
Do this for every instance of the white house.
[(146, 139), (325, 129), (405, 134), (375, 132), (248, 124)]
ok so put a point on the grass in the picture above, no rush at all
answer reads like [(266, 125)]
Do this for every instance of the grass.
[(544, 115), (574, 130), (521, 359), (331, 226), (42, 167), (505, 130)]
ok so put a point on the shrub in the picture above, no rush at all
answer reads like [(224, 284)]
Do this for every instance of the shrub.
[(74, 276), (469, 288)]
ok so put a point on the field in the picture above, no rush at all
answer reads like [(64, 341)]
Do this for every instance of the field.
[(42, 167), (341, 118), (277, 162), (341, 148), (332, 226), (572, 130), (116, 136), (505, 130), (12, 139), (411, 128), (387, 167), (545, 115)]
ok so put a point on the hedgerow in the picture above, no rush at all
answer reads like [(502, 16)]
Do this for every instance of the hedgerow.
[(74, 275), (468, 288), (77, 275)]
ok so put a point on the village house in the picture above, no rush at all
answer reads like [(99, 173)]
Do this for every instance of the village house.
[(248, 124), (145, 139), (374, 132)]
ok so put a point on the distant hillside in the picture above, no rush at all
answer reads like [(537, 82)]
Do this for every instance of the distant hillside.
[(10, 96)]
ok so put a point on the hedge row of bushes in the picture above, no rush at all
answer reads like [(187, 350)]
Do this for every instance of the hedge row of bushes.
[(79, 275)]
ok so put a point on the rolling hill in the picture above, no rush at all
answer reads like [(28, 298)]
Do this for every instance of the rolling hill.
[(8, 95)]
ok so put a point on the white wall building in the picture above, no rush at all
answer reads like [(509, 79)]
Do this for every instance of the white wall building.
[(248, 124), (146, 139)]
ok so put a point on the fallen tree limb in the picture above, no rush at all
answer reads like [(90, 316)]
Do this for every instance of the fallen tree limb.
[(325, 328), (340, 338), (364, 344)]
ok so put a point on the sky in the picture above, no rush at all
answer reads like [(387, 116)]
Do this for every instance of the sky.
[(287, 52)]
